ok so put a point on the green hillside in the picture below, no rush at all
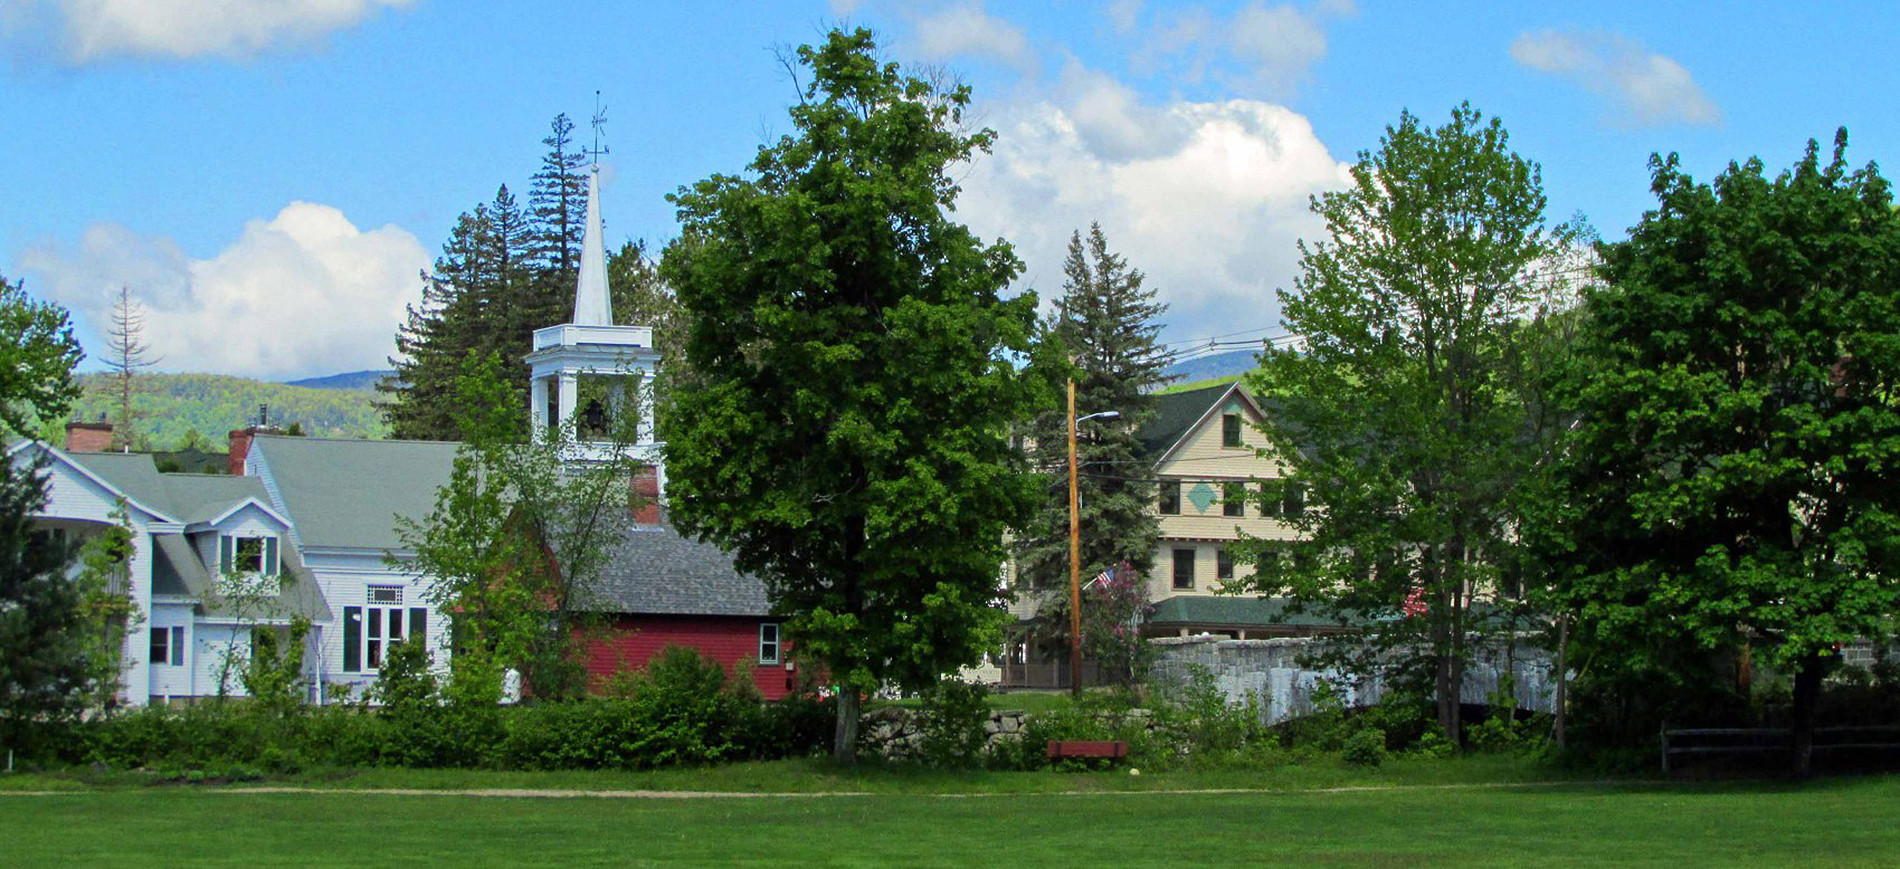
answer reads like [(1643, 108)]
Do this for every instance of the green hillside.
[(171, 406)]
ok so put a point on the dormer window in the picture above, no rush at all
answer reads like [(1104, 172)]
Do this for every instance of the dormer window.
[(1230, 430), (247, 554)]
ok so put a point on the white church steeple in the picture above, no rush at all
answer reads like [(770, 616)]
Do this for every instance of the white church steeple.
[(586, 375), (593, 305)]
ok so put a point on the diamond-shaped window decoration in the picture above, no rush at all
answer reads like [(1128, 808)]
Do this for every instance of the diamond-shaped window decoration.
[(1202, 496)]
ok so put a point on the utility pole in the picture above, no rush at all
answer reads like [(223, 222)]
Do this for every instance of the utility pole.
[(1075, 562), (1075, 548)]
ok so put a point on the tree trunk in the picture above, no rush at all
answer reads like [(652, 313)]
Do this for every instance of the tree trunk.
[(844, 743), (1563, 680), (1807, 694)]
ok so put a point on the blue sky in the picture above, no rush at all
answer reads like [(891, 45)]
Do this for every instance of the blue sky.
[(268, 176)]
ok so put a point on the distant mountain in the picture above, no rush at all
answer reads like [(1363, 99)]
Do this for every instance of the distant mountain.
[(171, 407), (1220, 365), (350, 380)]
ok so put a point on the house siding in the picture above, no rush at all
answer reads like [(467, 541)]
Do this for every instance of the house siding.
[(1198, 459), (733, 641)]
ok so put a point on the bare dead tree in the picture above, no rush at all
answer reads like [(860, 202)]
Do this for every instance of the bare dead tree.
[(127, 356)]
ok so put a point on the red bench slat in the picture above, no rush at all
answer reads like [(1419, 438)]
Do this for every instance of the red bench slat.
[(1087, 748)]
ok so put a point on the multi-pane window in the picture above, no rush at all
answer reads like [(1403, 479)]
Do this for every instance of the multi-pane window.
[(1292, 500), (1183, 568), (1230, 430), (369, 631), (1170, 497), (168, 645), (1233, 499), (768, 643), (1281, 498), (1223, 564), (247, 555)]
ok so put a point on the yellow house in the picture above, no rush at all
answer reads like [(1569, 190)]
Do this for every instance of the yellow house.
[(1213, 485)]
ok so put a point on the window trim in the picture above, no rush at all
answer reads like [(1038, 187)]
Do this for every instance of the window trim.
[(1223, 563), (1168, 502), (1230, 431), (269, 554), (775, 644), (173, 652), (1233, 499), (1184, 556)]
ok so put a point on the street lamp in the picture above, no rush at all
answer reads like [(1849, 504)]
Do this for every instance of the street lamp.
[(1075, 549)]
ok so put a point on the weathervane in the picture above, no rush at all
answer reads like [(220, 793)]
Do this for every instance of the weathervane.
[(600, 120)]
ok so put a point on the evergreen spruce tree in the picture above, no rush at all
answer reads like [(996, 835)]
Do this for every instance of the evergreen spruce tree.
[(1105, 320), (436, 335)]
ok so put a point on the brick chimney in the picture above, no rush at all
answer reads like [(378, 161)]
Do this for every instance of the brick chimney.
[(241, 447), (646, 495), (88, 437)]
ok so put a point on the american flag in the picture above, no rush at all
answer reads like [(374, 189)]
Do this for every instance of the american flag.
[(1105, 577), (1415, 603)]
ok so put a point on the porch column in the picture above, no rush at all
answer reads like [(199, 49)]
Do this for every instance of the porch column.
[(538, 404), (643, 405), (570, 395)]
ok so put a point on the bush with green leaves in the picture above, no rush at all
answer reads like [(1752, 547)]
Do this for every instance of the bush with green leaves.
[(952, 723), (1366, 747)]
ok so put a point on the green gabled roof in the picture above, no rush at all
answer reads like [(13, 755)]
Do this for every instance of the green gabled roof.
[(348, 493), (1225, 611), (1174, 414)]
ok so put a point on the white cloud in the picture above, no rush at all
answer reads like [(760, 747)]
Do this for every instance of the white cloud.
[(1280, 41), (1647, 89), (1207, 198), (305, 292), (1122, 15), (966, 30), (91, 30), (1271, 47)]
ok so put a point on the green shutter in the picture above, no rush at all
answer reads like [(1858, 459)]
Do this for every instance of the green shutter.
[(271, 566), (352, 639), (225, 555)]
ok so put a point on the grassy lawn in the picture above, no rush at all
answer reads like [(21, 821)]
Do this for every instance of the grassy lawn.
[(1834, 822), (821, 776)]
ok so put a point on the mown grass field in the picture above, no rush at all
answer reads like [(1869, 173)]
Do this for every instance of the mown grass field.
[(971, 820)]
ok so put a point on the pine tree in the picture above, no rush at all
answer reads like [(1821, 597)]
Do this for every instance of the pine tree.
[(1106, 321), (125, 344), (43, 661), (436, 335), (557, 203)]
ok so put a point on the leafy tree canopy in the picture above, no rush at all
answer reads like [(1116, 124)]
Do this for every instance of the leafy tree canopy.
[(846, 434), (37, 356), (1731, 474), (1406, 417)]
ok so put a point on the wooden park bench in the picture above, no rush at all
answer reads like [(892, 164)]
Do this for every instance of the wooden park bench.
[(1077, 749), (1771, 740)]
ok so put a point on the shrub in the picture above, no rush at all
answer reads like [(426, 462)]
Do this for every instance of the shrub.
[(952, 724), (1366, 747)]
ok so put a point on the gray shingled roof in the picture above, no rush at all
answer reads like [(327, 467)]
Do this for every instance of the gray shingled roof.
[(653, 570), (204, 497), (176, 568), (131, 473), (343, 492)]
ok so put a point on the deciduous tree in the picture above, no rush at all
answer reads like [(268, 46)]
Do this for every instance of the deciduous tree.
[(855, 375), (1404, 418), (1731, 475)]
